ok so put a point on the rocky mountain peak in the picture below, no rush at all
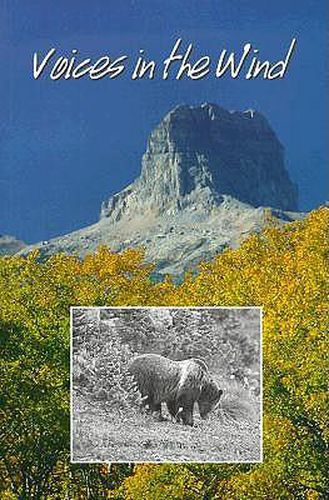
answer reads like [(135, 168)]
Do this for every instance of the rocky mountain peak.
[(206, 175), (197, 154)]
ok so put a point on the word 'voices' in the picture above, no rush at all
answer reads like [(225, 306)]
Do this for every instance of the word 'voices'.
[(179, 63)]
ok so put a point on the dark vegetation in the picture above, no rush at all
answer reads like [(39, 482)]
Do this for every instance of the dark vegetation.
[(105, 341), (283, 269)]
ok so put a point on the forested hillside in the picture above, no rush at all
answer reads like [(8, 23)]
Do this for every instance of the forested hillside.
[(283, 269)]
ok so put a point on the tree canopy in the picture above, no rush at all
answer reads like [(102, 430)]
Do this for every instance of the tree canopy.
[(284, 269)]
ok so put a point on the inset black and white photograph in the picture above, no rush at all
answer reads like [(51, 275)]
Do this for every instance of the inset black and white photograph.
[(162, 384)]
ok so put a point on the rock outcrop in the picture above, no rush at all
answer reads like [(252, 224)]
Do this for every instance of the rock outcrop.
[(206, 176), (198, 154), (9, 245)]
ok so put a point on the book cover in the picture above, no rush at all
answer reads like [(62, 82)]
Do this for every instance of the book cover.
[(164, 245)]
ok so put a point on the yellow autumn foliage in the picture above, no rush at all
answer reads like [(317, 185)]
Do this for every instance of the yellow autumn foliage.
[(283, 269)]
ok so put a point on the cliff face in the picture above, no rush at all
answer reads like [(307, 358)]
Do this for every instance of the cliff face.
[(206, 176), (197, 154)]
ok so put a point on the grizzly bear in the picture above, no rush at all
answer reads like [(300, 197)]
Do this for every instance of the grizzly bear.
[(177, 383)]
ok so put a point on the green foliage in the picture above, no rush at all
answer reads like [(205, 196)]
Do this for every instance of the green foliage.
[(34, 366), (285, 270), (162, 483)]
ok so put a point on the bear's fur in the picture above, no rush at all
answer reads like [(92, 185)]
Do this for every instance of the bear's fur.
[(177, 383)]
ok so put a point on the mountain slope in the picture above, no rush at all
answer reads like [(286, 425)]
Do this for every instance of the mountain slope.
[(9, 245), (206, 175)]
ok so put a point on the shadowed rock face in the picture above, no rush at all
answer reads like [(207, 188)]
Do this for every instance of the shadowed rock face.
[(198, 154), (206, 176), (10, 245)]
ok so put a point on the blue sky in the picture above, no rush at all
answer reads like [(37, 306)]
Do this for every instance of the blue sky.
[(67, 145)]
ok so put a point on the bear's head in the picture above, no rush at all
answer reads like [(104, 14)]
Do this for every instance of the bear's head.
[(209, 398)]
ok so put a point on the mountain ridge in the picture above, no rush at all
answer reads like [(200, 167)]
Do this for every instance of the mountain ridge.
[(206, 176), (9, 245), (203, 152)]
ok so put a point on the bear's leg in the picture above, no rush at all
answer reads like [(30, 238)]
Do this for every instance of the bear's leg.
[(149, 404), (145, 402), (154, 408), (186, 414), (173, 409)]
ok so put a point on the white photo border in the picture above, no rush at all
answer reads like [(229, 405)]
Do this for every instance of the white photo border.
[(176, 462)]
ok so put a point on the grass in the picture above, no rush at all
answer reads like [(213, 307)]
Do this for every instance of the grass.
[(230, 434)]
